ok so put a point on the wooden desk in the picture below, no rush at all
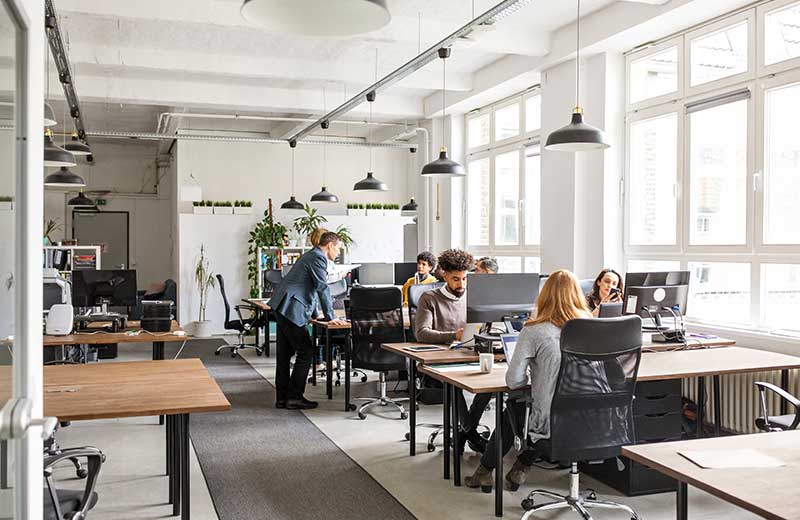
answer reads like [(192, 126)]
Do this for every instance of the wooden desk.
[(431, 357), (125, 336), (767, 492), (175, 388)]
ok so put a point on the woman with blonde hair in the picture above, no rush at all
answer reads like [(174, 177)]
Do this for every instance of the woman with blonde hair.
[(538, 351)]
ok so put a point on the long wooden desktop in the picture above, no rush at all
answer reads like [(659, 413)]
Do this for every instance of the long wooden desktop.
[(768, 492), (654, 366)]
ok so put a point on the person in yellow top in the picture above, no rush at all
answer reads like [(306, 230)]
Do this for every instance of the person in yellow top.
[(426, 262)]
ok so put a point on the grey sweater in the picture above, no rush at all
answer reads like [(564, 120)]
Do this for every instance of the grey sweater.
[(438, 317), (539, 350)]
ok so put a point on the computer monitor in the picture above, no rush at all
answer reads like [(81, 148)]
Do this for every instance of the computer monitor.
[(403, 271), (656, 295), (376, 274), (116, 287), (492, 297)]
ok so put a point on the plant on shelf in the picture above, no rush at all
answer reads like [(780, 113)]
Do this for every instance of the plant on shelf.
[(50, 226), (309, 222), (204, 279), (266, 233)]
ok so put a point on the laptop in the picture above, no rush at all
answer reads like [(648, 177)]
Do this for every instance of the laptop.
[(509, 342), (610, 310)]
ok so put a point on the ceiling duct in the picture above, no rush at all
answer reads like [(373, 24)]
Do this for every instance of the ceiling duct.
[(498, 12), (59, 52)]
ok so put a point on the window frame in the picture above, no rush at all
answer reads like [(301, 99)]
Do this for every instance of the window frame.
[(645, 53), (758, 79), (492, 150)]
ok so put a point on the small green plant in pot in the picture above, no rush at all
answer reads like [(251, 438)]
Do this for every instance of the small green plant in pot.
[(204, 280), (309, 222)]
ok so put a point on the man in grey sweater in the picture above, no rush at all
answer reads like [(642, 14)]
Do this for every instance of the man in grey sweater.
[(441, 316)]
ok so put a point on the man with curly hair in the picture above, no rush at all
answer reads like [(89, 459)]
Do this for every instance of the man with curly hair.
[(425, 264), (441, 316)]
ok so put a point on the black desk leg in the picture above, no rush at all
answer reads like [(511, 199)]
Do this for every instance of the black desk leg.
[(701, 401), (315, 341), (258, 328), (412, 403), (169, 450), (446, 429), (3, 464), (785, 386), (267, 339), (498, 445), (682, 505), (717, 407), (348, 351), (158, 354), (328, 364), (185, 506), (456, 436), (175, 477)]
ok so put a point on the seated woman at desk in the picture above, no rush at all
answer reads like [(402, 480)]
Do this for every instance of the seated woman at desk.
[(607, 288), (538, 351)]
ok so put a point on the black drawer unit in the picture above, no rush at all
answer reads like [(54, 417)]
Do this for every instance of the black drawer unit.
[(657, 418)]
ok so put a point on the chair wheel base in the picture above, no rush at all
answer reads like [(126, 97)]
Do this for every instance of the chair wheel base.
[(486, 489), (431, 448), (81, 473), (216, 353), (362, 415), (407, 436), (404, 416), (528, 504)]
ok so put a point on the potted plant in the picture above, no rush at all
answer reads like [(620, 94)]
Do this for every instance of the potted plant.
[(309, 222), (242, 207), (50, 226), (203, 207), (266, 233), (223, 208), (391, 210), (204, 279), (355, 210), (373, 210), (347, 239), (6, 203)]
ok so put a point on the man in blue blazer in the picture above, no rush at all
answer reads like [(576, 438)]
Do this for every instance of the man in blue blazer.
[(294, 301)]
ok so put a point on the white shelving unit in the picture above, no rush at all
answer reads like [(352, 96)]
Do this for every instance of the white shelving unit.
[(72, 251), (288, 256)]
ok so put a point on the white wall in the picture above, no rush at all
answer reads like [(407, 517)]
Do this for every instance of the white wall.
[(257, 172), (129, 169)]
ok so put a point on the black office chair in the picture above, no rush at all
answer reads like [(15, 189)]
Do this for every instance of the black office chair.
[(241, 326), (60, 504), (776, 423), (415, 292), (591, 415), (376, 317), (170, 293)]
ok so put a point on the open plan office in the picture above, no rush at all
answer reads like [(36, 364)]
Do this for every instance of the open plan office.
[(295, 259)]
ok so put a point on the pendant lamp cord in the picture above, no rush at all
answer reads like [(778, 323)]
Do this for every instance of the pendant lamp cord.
[(293, 171), (325, 143), (578, 58), (444, 102)]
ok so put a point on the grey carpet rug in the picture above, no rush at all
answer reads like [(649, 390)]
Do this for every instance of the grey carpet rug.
[(264, 463)]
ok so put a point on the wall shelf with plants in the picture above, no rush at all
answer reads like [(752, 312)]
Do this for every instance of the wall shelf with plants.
[(222, 207)]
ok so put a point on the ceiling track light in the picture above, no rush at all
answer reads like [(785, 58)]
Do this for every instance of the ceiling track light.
[(443, 166), (318, 17), (577, 136)]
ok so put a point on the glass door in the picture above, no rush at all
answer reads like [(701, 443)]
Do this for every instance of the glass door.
[(21, 200)]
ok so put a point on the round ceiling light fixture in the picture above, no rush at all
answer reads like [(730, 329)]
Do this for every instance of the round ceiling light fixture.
[(318, 17)]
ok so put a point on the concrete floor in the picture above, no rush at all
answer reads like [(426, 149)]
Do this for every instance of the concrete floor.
[(133, 484)]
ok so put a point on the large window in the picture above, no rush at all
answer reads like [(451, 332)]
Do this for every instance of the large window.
[(713, 165), (503, 182)]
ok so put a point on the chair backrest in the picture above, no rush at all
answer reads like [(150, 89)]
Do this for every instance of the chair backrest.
[(415, 292), (376, 317), (338, 293), (272, 279), (221, 283), (171, 294), (591, 415)]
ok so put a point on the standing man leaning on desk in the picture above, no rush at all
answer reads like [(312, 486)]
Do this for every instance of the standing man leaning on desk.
[(294, 301), (441, 316)]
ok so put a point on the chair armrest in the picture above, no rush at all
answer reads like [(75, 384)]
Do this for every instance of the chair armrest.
[(94, 461), (783, 394), (251, 309)]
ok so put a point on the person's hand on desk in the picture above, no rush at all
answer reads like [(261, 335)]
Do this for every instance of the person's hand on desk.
[(459, 334), (337, 322)]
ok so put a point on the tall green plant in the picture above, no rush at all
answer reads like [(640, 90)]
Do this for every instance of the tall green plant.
[(309, 222), (346, 236), (204, 279), (267, 233)]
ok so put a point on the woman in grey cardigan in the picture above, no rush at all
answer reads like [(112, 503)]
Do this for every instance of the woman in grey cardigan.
[(538, 352)]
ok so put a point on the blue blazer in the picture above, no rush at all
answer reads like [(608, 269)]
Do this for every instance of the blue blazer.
[(304, 288)]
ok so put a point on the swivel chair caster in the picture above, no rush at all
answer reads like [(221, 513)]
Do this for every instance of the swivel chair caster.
[(431, 448), (216, 353), (362, 416)]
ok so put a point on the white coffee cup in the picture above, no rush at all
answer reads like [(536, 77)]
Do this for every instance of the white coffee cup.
[(487, 362)]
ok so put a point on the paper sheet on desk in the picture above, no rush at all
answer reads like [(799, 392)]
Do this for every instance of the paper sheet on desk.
[(457, 368), (723, 459)]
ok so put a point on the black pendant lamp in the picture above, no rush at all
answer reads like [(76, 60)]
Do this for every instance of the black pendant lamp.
[(77, 147), (81, 200), (412, 204), (443, 166), (64, 178), (323, 196), (318, 17), (370, 183), (55, 156), (577, 136), (49, 115), (292, 203)]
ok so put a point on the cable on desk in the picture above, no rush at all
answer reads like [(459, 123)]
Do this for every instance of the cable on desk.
[(180, 349)]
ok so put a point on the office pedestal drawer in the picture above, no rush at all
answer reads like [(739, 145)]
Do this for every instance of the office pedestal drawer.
[(629, 477), (657, 427)]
